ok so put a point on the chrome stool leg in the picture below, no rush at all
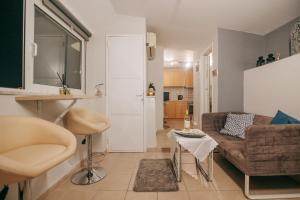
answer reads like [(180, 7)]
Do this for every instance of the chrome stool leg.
[(89, 175)]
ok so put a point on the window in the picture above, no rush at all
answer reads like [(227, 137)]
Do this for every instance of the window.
[(57, 54)]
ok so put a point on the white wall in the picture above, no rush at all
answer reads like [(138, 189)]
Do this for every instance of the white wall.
[(101, 19), (272, 87), (155, 75), (196, 94), (215, 81), (204, 80)]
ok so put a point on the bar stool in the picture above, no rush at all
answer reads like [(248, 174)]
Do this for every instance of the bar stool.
[(30, 147), (85, 122)]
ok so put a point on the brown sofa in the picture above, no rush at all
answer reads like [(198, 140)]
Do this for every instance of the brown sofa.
[(267, 150)]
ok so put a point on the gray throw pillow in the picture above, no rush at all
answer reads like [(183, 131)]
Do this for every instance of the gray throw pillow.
[(236, 124)]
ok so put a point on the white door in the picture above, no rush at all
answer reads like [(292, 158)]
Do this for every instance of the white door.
[(125, 91)]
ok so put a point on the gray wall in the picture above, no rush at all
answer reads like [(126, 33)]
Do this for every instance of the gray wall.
[(237, 51), (277, 41), (234, 52), (155, 75)]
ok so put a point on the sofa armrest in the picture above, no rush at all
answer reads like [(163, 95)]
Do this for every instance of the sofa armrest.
[(213, 121), (273, 149)]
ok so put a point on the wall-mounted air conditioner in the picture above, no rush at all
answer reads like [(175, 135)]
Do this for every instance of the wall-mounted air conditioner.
[(151, 45)]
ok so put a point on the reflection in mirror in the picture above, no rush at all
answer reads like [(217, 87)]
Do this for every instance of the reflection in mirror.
[(57, 52)]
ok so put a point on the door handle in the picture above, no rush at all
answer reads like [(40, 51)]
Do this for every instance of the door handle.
[(34, 49)]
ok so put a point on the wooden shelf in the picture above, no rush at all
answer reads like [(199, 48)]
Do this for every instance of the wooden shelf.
[(52, 97)]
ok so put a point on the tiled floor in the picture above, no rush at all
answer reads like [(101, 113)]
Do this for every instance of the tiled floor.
[(122, 167), (162, 139)]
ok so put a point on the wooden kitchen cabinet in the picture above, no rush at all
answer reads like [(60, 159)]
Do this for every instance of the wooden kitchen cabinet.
[(170, 109), (174, 77), (180, 109), (178, 77), (175, 109), (189, 79), (168, 74)]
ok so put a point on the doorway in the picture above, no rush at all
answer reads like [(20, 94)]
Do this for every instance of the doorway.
[(178, 98), (208, 78)]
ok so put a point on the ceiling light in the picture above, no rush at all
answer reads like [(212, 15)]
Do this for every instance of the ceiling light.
[(188, 65)]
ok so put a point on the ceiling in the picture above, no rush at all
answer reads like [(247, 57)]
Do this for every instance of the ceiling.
[(192, 24)]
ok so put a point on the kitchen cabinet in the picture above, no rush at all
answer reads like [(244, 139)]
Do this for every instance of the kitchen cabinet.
[(178, 77), (174, 77), (180, 109), (189, 79), (175, 109), (170, 109)]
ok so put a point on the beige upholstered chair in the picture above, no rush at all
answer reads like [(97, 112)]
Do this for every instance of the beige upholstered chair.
[(86, 122), (31, 146)]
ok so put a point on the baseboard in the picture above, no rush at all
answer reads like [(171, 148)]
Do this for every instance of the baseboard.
[(54, 186)]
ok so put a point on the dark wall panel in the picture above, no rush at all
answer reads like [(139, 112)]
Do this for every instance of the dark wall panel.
[(11, 45)]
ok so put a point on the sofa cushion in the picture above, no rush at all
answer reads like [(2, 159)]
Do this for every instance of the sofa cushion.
[(283, 118), (232, 148), (262, 120), (221, 138), (236, 124)]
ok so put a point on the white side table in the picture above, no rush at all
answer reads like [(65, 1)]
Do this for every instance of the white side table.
[(200, 148)]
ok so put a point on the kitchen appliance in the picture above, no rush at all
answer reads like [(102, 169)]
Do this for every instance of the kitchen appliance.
[(190, 108), (166, 96), (180, 97)]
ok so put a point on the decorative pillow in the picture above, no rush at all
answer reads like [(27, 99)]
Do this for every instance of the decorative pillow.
[(236, 124), (283, 118)]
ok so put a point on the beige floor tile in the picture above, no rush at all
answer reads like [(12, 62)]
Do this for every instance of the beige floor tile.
[(188, 158), (109, 195), (122, 168), (196, 183), (141, 195), (181, 186), (189, 168), (225, 182), (53, 195), (162, 155), (205, 195), (181, 195), (125, 166), (112, 181), (147, 155), (226, 176), (115, 182), (132, 181), (231, 195), (77, 195)]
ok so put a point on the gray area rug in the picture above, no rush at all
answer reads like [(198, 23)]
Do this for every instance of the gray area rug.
[(155, 175)]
